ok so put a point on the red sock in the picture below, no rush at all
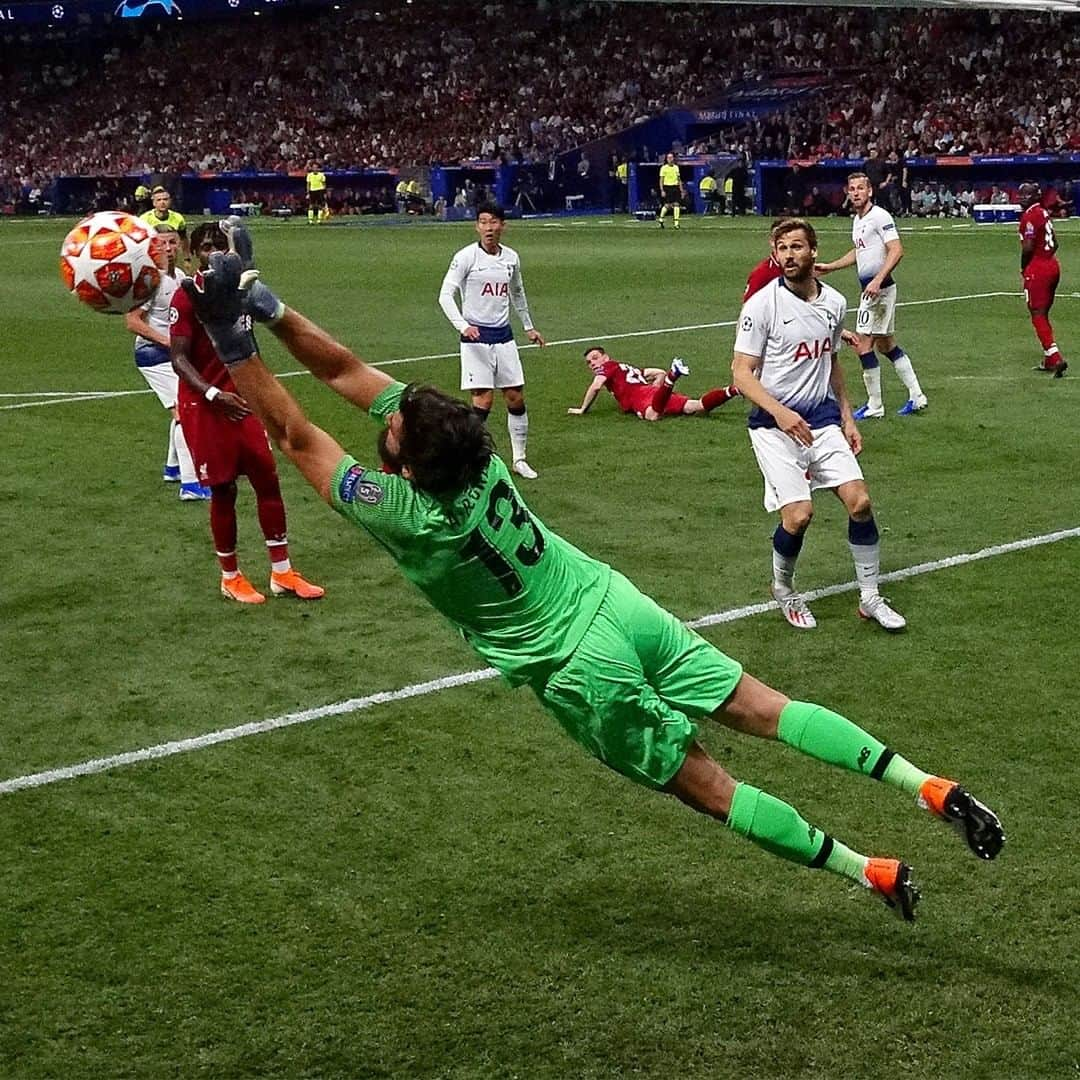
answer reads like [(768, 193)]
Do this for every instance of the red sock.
[(1045, 333), (223, 525), (715, 398), (271, 510), (662, 394)]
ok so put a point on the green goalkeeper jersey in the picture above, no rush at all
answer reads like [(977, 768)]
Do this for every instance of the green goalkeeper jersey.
[(520, 595)]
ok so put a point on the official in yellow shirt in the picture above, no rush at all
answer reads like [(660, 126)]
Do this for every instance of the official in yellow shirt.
[(672, 191), (710, 191), (317, 208)]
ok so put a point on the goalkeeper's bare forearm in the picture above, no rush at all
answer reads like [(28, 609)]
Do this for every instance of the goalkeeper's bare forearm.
[(314, 452), (328, 360)]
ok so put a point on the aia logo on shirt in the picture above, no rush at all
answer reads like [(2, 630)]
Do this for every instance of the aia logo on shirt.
[(813, 350), (495, 289)]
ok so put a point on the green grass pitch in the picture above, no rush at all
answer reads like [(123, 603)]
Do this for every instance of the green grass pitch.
[(445, 886)]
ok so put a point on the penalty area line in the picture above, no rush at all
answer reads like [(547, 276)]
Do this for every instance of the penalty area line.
[(464, 678)]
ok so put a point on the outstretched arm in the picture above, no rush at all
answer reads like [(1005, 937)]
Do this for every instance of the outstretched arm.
[(219, 305), (837, 264), (590, 396), (329, 361), (315, 453)]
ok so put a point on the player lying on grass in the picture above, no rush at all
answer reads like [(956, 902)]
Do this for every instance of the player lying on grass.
[(647, 393), (622, 676)]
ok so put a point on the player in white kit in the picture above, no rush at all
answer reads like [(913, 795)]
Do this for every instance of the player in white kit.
[(150, 325), (487, 274), (801, 427), (876, 252)]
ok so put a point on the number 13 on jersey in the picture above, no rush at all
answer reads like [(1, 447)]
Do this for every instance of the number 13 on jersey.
[(511, 538)]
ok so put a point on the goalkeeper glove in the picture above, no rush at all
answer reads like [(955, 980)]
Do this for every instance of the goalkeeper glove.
[(215, 295)]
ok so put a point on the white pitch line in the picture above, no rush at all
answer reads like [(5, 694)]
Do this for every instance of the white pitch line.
[(89, 395), (54, 393), (949, 299), (464, 678), (93, 395)]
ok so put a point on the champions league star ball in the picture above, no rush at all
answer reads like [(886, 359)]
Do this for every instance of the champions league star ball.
[(107, 261)]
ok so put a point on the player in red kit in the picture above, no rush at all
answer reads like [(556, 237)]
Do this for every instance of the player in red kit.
[(1041, 273), (648, 393), (767, 270), (226, 439)]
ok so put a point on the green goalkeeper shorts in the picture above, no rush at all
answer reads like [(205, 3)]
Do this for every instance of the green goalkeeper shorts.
[(633, 686)]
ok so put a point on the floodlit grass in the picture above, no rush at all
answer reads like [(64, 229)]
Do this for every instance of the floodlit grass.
[(446, 886)]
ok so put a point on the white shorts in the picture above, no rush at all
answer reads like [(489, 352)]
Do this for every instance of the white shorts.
[(163, 381), (878, 316), (792, 471), (490, 367)]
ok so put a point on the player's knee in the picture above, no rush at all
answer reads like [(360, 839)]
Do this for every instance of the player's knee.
[(514, 397), (859, 507), (797, 518)]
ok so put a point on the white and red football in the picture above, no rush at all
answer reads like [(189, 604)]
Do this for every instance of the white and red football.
[(109, 261)]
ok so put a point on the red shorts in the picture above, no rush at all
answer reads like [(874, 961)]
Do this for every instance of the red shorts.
[(1041, 279), (221, 448), (640, 398)]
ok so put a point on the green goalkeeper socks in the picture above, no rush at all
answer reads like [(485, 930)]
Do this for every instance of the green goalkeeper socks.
[(830, 737), (778, 827)]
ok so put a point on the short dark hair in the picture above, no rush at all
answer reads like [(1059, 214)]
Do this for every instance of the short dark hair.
[(599, 348), (212, 231), (793, 224), (492, 208), (444, 442)]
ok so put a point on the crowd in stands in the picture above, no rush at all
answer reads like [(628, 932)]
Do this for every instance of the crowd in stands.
[(411, 83), (922, 198)]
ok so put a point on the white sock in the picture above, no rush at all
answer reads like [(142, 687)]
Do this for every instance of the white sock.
[(518, 426), (171, 460), (179, 447), (907, 376), (867, 559), (273, 549), (783, 571), (871, 378)]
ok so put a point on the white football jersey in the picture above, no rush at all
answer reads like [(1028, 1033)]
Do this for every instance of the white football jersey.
[(869, 234), (796, 340), (157, 311), (488, 285)]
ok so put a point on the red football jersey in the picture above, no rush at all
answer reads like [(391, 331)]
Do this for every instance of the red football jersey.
[(623, 380), (767, 270), (1035, 224), (183, 323)]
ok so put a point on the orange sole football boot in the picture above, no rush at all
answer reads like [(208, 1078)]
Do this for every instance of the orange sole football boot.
[(290, 583), (891, 880), (241, 590), (976, 823)]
